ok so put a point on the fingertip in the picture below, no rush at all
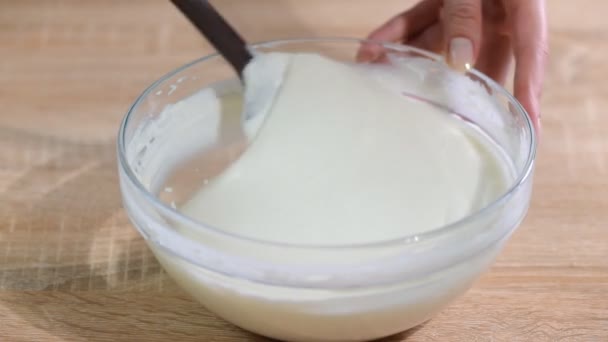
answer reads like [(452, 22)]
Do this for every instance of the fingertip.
[(536, 119), (399, 29), (537, 126), (369, 51), (531, 106), (365, 55)]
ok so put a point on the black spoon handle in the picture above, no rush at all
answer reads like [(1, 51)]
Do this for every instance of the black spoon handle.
[(217, 31)]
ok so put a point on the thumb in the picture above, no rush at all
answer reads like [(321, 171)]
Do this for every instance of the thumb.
[(462, 24)]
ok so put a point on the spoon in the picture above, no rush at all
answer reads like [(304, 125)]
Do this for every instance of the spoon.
[(217, 31)]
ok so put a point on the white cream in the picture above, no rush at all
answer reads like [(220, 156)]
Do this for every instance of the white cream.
[(338, 155), (341, 158)]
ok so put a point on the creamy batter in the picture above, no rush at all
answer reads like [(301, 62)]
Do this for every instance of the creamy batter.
[(339, 157)]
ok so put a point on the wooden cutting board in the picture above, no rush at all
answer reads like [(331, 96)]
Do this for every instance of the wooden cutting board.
[(73, 269)]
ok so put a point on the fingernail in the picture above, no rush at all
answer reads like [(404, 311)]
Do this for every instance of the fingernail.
[(366, 56), (461, 53)]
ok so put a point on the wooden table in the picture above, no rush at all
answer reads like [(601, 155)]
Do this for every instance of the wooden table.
[(73, 269)]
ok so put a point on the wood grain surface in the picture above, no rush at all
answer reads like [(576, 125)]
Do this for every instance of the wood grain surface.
[(73, 269)]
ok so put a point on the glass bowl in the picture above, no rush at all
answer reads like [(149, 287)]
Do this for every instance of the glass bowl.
[(301, 292)]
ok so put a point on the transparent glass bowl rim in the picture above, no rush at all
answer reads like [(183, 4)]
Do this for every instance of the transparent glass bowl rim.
[(174, 213)]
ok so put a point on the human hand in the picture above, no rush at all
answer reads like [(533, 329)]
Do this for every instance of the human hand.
[(480, 33)]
